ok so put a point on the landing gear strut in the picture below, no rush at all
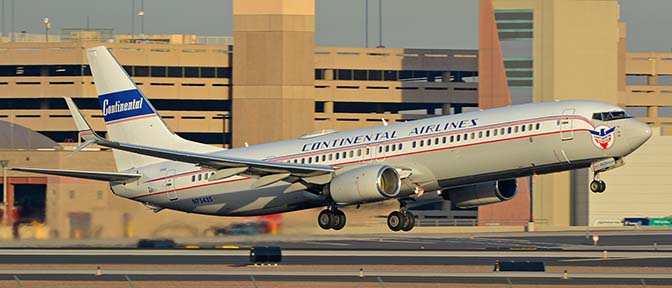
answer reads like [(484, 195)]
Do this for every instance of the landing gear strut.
[(401, 220), (597, 185), (331, 218)]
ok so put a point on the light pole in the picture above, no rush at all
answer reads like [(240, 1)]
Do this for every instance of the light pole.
[(142, 18), (4, 164), (224, 117), (47, 26)]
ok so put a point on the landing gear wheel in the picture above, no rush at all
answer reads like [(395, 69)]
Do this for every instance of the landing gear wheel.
[(395, 221), (598, 186), (326, 219), (409, 222), (339, 218)]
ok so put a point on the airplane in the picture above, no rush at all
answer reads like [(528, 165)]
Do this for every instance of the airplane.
[(471, 159)]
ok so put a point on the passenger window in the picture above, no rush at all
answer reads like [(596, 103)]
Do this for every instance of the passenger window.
[(515, 129), (508, 130), (303, 160), (436, 141), (458, 137), (473, 135), (501, 131), (494, 132), (338, 155), (401, 146), (522, 128), (538, 126), (394, 147), (452, 138), (413, 144), (487, 133), (429, 142), (387, 148), (380, 149), (199, 177), (465, 137), (193, 178), (324, 158), (206, 176), (351, 153), (529, 127), (367, 150), (359, 152), (317, 159), (343, 155), (422, 143), (310, 160), (480, 134), (444, 139), (331, 156)]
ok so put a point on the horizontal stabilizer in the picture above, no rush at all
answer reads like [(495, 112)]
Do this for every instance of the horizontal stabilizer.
[(91, 175)]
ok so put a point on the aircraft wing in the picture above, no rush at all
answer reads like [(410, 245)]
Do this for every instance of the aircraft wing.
[(218, 162), (91, 175)]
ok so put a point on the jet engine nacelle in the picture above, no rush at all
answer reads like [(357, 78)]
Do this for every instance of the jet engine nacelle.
[(481, 193), (365, 184)]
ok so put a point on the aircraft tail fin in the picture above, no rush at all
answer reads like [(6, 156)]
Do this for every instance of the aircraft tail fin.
[(128, 114)]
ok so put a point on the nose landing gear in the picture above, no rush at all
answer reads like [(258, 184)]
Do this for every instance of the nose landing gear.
[(401, 220), (597, 185)]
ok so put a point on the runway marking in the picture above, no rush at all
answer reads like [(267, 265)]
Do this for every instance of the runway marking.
[(608, 259), (326, 243)]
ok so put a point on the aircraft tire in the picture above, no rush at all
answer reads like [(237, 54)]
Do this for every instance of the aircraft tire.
[(409, 222), (395, 220), (340, 219), (603, 186), (326, 219), (595, 186)]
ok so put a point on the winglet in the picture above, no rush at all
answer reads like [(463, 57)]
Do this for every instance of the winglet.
[(85, 130)]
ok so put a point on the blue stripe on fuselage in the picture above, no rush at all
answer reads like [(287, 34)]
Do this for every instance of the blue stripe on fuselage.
[(124, 104)]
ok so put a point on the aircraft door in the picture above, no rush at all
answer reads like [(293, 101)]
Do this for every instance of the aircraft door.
[(170, 185), (567, 124)]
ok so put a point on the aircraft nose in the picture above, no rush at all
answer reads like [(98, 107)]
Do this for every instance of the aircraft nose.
[(643, 132)]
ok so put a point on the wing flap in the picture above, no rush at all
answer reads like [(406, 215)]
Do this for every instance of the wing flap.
[(91, 175)]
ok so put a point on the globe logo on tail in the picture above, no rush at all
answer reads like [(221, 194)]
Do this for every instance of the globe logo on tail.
[(603, 136)]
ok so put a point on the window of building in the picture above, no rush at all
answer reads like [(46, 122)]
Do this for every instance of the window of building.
[(140, 71), (157, 71), (191, 72), (390, 75), (375, 75), (359, 75), (175, 72), (344, 74), (207, 72)]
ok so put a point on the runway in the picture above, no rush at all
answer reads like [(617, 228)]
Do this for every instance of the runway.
[(240, 257), (339, 276)]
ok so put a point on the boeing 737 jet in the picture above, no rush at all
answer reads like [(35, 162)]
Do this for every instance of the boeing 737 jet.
[(472, 158)]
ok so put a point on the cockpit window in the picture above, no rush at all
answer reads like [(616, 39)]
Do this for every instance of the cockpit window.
[(613, 115)]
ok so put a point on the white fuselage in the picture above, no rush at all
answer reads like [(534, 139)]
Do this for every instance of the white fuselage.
[(440, 152)]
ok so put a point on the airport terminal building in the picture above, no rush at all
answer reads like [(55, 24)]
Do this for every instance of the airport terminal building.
[(270, 82)]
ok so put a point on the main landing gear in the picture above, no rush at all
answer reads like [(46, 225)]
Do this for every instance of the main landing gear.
[(331, 218), (401, 220), (597, 185)]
